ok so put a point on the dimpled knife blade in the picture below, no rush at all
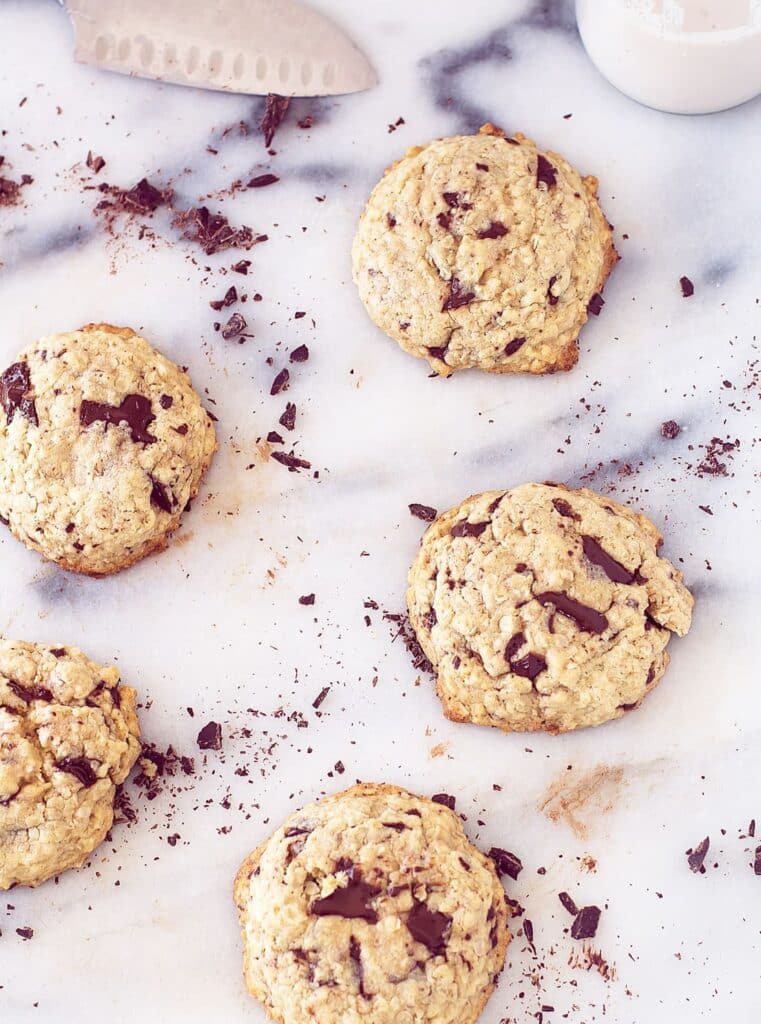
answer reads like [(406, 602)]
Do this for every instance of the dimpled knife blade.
[(244, 46)]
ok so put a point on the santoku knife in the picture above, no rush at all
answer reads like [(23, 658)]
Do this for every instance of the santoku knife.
[(245, 46)]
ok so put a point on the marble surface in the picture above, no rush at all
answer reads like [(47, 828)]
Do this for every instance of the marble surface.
[(148, 929)]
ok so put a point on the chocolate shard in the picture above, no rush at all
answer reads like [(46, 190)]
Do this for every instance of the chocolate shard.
[(457, 296), (429, 927), (530, 665), (351, 901), (585, 923), (80, 768), (134, 410), (567, 900), (496, 229), (466, 529), (210, 737), (587, 619), (161, 496), (696, 857), (505, 862), (275, 109), (597, 555), (425, 512), (512, 346), (688, 288), (262, 180)]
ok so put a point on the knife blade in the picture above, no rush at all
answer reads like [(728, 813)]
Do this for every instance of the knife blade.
[(243, 46)]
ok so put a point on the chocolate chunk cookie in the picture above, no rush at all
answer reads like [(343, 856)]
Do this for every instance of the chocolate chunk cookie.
[(482, 251), (371, 905), (68, 738), (544, 608), (103, 442)]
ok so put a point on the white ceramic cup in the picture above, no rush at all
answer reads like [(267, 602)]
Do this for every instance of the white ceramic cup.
[(683, 56)]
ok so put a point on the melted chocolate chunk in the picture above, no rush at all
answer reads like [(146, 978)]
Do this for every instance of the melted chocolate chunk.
[(135, 411), (166, 401), (80, 768), (262, 180), (696, 857), (458, 296), (455, 201), (585, 923), (595, 304), (444, 220), (430, 927), (94, 162), (352, 901), (424, 512), (545, 172), (15, 388), (495, 230), (292, 462), (564, 508), (597, 555), (160, 496), (505, 862), (530, 665), (587, 619), (512, 346), (29, 693), (466, 529), (442, 798), (567, 900), (210, 737), (275, 109), (439, 353)]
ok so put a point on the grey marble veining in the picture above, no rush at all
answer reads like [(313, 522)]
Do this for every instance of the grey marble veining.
[(148, 930)]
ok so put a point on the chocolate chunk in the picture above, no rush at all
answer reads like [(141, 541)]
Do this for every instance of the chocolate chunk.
[(444, 220), (397, 826), (466, 529), (135, 411), (454, 200), (505, 862), (512, 346), (288, 419), (15, 388), (595, 304), (306, 599), (144, 197), (355, 954), (300, 354), (458, 296), (210, 737), (352, 901), (495, 230), (445, 799), (688, 288), (281, 382), (80, 768), (291, 461), (166, 401), (585, 923), (29, 693), (530, 665), (587, 619), (545, 172), (670, 429), (564, 508), (757, 861), (696, 857), (429, 927), (25, 933), (424, 512), (275, 109), (262, 180), (160, 496), (482, 167), (231, 297), (391, 221), (235, 325), (597, 555), (95, 163), (567, 900), (58, 652)]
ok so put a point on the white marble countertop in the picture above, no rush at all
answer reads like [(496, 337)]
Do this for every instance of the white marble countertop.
[(148, 930)]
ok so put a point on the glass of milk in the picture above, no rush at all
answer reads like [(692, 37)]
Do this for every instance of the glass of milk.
[(684, 56)]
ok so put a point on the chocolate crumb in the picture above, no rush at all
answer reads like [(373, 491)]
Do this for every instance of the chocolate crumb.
[(696, 857), (545, 172), (445, 799), (288, 419)]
